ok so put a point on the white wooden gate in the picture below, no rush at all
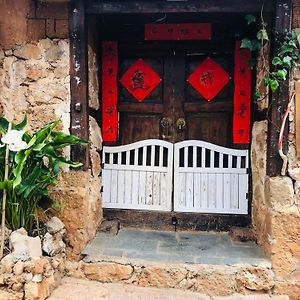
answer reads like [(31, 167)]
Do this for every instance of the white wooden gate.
[(138, 176), (210, 178), (207, 178)]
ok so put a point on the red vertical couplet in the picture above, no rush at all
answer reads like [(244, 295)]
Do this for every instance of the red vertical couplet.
[(109, 91), (242, 96)]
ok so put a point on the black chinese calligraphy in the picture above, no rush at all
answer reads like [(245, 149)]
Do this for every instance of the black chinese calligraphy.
[(242, 110), (242, 71), (138, 81), (241, 132), (109, 110), (109, 51), (110, 71), (207, 78), (242, 93), (109, 130), (185, 31)]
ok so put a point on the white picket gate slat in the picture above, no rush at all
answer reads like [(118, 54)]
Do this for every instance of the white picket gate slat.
[(133, 178), (210, 178), (207, 178)]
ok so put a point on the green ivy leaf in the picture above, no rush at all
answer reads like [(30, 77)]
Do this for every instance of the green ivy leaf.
[(287, 60), (256, 45), (262, 35), (252, 63), (281, 74), (250, 19), (292, 43), (257, 95), (276, 61), (274, 84), (247, 44), (267, 81), (284, 50)]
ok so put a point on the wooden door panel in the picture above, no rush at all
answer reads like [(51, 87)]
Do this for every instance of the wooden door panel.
[(209, 127), (138, 127), (174, 98), (209, 121)]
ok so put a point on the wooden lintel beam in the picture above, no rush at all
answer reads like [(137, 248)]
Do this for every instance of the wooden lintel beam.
[(189, 6), (280, 99), (78, 78)]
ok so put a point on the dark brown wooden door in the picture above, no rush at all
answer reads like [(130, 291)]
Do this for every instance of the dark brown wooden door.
[(175, 111)]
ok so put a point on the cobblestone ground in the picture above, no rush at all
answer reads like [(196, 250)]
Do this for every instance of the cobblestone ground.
[(79, 289)]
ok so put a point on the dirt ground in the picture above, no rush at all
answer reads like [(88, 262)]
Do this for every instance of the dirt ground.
[(80, 289)]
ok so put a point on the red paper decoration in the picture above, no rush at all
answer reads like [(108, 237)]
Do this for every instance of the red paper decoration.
[(208, 79), (109, 91), (242, 96), (184, 31), (140, 80)]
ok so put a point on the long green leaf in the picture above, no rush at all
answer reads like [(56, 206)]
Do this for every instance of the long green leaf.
[(61, 140), (42, 134), (3, 125), (21, 125)]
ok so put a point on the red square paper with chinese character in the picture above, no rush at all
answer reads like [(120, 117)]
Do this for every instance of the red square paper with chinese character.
[(208, 79), (140, 80)]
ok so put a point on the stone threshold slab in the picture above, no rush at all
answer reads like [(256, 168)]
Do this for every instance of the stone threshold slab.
[(175, 247)]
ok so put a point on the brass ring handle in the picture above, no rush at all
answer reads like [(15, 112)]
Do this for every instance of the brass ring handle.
[(180, 123), (165, 124)]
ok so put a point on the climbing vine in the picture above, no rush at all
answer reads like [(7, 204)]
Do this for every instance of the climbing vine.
[(287, 58)]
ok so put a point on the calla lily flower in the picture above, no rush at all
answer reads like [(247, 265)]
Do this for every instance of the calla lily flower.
[(20, 145), (13, 138)]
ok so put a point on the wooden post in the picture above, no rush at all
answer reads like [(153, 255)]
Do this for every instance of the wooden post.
[(191, 6), (280, 99), (78, 77), (297, 117)]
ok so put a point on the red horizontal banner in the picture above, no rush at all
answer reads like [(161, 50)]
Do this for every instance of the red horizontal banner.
[(184, 31), (109, 91), (242, 96)]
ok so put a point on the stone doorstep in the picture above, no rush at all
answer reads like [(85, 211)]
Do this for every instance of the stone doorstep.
[(211, 280)]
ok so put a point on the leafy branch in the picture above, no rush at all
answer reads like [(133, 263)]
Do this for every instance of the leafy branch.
[(288, 57)]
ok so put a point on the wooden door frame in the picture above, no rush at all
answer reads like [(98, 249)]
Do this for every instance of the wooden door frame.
[(79, 9)]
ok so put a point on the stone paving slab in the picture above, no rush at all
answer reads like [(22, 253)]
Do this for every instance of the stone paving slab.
[(170, 246), (80, 289)]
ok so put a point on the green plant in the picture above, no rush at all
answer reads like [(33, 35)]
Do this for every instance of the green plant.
[(288, 53), (34, 161), (288, 57)]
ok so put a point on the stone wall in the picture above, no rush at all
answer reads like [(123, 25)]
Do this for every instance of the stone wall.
[(30, 20), (31, 279), (34, 80), (276, 215)]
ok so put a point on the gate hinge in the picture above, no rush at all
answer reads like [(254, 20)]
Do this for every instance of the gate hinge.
[(249, 195), (101, 190)]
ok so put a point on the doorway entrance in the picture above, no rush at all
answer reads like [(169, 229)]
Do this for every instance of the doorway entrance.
[(175, 149)]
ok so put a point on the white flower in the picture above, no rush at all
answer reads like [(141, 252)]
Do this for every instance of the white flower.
[(20, 145), (12, 135), (13, 138)]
